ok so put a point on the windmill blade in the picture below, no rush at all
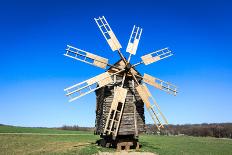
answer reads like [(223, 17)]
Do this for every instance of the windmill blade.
[(154, 110), (86, 57), (120, 96), (134, 40), (117, 106), (108, 33), (160, 84), (83, 88), (156, 56)]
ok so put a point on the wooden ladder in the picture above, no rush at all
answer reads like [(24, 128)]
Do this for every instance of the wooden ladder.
[(113, 122)]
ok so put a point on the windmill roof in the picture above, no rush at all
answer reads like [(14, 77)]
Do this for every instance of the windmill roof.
[(121, 64)]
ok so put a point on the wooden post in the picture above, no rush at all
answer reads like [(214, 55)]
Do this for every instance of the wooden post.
[(135, 111)]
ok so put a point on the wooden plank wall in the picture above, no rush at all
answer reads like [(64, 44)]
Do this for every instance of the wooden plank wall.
[(104, 98)]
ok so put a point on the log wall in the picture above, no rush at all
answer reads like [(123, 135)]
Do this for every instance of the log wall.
[(133, 114)]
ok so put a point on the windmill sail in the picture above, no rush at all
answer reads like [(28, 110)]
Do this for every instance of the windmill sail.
[(86, 57), (156, 56), (108, 33), (160, 84), (134, 40), (78, 90), (153, 109)]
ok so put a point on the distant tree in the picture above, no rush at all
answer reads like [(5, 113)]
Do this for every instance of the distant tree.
[(219, 130), (76, 128)]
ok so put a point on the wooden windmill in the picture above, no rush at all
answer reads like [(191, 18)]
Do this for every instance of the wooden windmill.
[(121, 91)]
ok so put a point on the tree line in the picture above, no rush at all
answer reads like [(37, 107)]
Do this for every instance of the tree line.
[(219, 130), (76, 128)]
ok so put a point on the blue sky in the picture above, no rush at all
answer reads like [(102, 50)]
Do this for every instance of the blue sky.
[(33, 72)]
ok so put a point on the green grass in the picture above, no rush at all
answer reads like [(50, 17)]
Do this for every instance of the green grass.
[(12, 129), (186, 145), (59, 142)]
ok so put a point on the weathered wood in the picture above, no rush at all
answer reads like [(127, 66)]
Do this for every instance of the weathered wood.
[(127, 145), (133, 113)]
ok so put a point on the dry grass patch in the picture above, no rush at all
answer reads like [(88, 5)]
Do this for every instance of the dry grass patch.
[(60, 147)]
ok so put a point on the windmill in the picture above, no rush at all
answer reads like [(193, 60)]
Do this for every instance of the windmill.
[(121, 90)]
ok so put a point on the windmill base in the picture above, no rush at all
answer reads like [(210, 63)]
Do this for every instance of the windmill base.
[(125, 142)]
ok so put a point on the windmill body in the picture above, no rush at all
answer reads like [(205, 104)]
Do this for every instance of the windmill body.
[(121, 91), (133, 120)]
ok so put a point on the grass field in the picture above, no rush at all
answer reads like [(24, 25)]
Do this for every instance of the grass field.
[(13, 140)]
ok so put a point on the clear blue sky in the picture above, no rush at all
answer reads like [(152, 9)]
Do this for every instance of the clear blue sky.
[(33, 71)]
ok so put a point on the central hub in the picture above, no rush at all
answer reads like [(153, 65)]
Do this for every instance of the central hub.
[(128, 67)]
